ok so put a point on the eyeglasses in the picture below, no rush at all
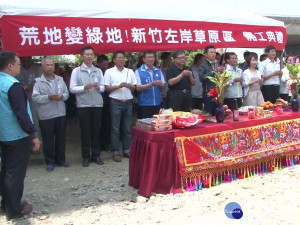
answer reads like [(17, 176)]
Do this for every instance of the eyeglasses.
[(182, 57)]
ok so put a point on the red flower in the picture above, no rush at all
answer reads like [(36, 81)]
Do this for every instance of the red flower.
[(214, 92)]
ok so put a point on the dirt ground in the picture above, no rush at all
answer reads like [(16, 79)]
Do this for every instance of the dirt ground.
[(101, 195)]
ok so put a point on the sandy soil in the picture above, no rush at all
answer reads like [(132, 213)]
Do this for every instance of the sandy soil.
[(101, 195)]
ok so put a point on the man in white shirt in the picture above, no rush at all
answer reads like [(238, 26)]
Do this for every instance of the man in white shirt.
[(271, 73), (234, 91), (87, 83), (120, 82)]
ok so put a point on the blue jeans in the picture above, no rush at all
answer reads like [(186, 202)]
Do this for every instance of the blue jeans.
[(120, 113)]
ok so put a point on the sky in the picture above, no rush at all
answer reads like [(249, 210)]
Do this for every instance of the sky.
[(264, 7)]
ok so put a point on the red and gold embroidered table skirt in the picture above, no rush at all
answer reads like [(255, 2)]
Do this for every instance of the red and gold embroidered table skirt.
[(224, 152)]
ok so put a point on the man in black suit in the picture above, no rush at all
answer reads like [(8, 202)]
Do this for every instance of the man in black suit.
[(207, 69)]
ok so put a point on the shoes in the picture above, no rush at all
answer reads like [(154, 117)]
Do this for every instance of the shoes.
[(126, 155), (50, 168), (97, 160), (27, 208), (64, 164), (117, 158), (23, 203), (85, 162)]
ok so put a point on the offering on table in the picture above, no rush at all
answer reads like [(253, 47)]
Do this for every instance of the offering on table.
[(227, 111), (279, 109), (283, 102), (179, 113), (165, 111), (243, 110), (162, 117), (259, 111), (266, 113), (187, 120), (145, 124), (164, 122), (267, 105), (251, 113)]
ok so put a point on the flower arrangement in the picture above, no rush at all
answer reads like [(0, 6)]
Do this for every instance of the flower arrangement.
[(222, 81), (294, 80)]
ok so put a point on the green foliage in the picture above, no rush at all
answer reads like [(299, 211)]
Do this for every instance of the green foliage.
[(132, 58), (190, 56), (62, 60), (222, 81)]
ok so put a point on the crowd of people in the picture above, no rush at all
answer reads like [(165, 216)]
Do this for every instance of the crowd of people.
[(102, 95)]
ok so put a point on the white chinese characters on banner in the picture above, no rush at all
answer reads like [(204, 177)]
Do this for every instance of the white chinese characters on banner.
[(73, 35), (114, 35), (186, 36), (138, 35), (249, 36), (200, 36), (171, 34), (227, 36), (154, 33), (279, 36), (29, 34), (96, 35), (271, 36), (261, 37), (213, 36), (52, 36)]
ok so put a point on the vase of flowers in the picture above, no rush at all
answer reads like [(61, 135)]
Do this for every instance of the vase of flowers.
[(218, 93), (220, 113), (295, 104), (293, 83)]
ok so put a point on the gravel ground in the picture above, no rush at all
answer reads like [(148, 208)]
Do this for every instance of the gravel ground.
[(101, 195)]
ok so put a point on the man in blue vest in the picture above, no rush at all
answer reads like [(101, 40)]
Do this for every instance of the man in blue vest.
[(150, 83), (17, 133)]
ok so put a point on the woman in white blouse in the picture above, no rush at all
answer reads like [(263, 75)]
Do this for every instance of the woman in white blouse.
[(284, 91), (251, 82)]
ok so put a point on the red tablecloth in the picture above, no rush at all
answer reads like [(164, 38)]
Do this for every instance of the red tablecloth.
[(153, 165)]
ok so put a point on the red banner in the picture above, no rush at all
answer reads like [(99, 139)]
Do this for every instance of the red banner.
[(39, 35)]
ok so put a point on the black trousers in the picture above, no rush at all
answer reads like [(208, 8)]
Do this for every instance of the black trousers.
[(14, 156), (147, 111), (179, 101), (90, 123), (230, 102), (198, 103), (54, 139), (270, 92)]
